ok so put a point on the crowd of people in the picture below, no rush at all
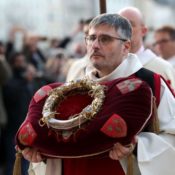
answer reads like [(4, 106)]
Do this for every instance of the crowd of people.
[(114, 48), (24, 70)]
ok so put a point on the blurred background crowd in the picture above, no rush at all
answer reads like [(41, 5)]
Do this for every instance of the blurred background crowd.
[(39, 41)]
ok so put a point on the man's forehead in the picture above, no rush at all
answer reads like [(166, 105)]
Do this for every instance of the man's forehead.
[(162, 35), (134, 16), (102, 29)]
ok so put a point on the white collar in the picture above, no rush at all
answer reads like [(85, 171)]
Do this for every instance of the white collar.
[(128, 67)]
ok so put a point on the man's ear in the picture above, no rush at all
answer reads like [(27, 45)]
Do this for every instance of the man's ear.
[(144, 30), (127, 46)]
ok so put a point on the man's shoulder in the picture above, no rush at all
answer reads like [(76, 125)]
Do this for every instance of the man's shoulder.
[(82, 62), (155, 60), (162, 62), (160, 66), (77, 69), (145, 71), (152, 79)]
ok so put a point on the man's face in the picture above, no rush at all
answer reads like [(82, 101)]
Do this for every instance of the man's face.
[(105, 49), (164, 44), (138, 30)]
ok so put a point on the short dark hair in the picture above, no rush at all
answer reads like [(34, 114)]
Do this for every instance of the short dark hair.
[(167, 29), (121, 24)]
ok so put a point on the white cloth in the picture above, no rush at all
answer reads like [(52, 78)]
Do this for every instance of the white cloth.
[(156, 153), (53, 167), (158, 65), (77, 69), (37, 168), (172, 61), (159, 160)]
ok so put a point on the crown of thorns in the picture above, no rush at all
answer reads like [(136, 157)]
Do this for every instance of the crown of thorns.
[(57, 95)]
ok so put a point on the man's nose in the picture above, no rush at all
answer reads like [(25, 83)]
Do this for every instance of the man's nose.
[(96, 43)]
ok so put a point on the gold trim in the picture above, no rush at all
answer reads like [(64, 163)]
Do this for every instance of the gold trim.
[(81, 156)]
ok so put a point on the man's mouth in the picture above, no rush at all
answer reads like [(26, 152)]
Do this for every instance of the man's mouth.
[(96, 55)]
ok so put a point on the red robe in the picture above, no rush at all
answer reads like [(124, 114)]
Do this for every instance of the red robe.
[(92, 166)]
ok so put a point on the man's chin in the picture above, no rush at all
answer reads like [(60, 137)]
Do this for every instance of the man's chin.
[(96, 65), (95, 57), (94, 60)]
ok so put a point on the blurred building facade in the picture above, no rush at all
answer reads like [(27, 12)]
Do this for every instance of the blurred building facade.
[(57, 17)]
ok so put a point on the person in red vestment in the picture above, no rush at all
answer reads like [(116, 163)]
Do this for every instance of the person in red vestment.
[(108, 44)]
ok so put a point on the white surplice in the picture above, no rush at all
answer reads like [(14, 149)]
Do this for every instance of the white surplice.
[(77, 69), (157, 64), (171, 60)]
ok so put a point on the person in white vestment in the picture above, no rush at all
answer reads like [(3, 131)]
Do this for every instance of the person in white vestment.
[(165, 43), (78, 67), (148, 58), (108, 44)]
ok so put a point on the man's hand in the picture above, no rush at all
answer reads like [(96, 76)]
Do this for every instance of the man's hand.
[(32, 155), (119, 151)]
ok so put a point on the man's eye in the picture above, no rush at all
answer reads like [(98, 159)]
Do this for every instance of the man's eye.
[(92, 38), (105, 39)]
